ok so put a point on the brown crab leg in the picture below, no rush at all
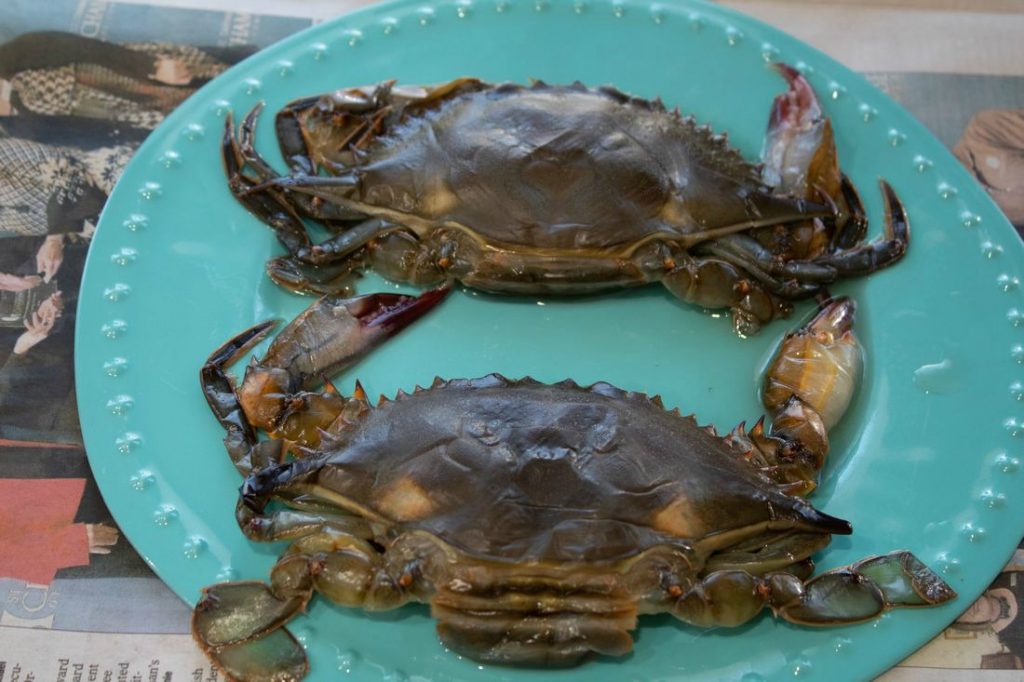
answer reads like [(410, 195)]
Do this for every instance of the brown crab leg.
[(321, 211), (856, 225), (713, 282), (880, 252), (287, 225)]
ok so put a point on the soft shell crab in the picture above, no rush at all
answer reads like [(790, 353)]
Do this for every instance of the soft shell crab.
[(538, 521), (559, 190)]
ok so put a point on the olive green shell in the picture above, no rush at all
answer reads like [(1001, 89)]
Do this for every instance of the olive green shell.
[(561, 167), (524, 471)]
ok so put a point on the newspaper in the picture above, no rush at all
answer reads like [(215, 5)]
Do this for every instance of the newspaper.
[(76, 602)]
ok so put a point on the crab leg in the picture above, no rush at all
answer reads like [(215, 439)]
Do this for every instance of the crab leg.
[(807, 388), (287, 225), (318, 210), (852, 594), (879, 253), (330, 336), (240, 625)]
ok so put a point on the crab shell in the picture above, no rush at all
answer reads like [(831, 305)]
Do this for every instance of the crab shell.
[(539, 520), (584, 189)]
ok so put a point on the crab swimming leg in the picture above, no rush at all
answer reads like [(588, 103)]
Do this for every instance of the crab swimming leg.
[(852, 594), (240, 625), (275, 395)]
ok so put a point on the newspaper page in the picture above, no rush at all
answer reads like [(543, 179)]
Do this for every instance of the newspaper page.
[(82, 82)]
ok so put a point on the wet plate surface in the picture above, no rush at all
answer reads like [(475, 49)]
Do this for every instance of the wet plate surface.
[(925, 461)]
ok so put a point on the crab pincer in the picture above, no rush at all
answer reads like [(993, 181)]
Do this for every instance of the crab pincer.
[(276, 395)]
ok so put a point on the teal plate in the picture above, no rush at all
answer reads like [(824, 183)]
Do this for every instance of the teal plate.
[(926, 460)]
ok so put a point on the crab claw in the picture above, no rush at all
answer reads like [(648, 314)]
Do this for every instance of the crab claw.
[(799, 151), (807, 389), (330, 336)]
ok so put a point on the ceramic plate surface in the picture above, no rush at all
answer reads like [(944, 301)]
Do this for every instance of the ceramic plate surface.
[(926, 459)]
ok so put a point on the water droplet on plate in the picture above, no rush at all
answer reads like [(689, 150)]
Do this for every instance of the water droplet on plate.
[(124, 256), (1015, 317), (1007, 464), (150, 191), (346, 660), (896, 138), (117, 292), (968, 219), (733, 35), (769, 52), (867, 112), (115, 367), (1007, 282), (164, 515), (946, 190), (221, 107), (841, 644), (227, 574), (319, 51), (136, 222), (170, 159), (127, 443), (938, 378), (193, 547), (974, 534), (252, 86), (1017, 353), (1013, 427), (194, 132), (305, 634), (946, 564), (697, 22), (835, 90), (1017, 390), (800, 666), (463, 8), (990, 249), (114, 329), (922, 163), (992, 499), (353, 37), (119, 405), (390, 25), (284, 67), (142, 480)]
